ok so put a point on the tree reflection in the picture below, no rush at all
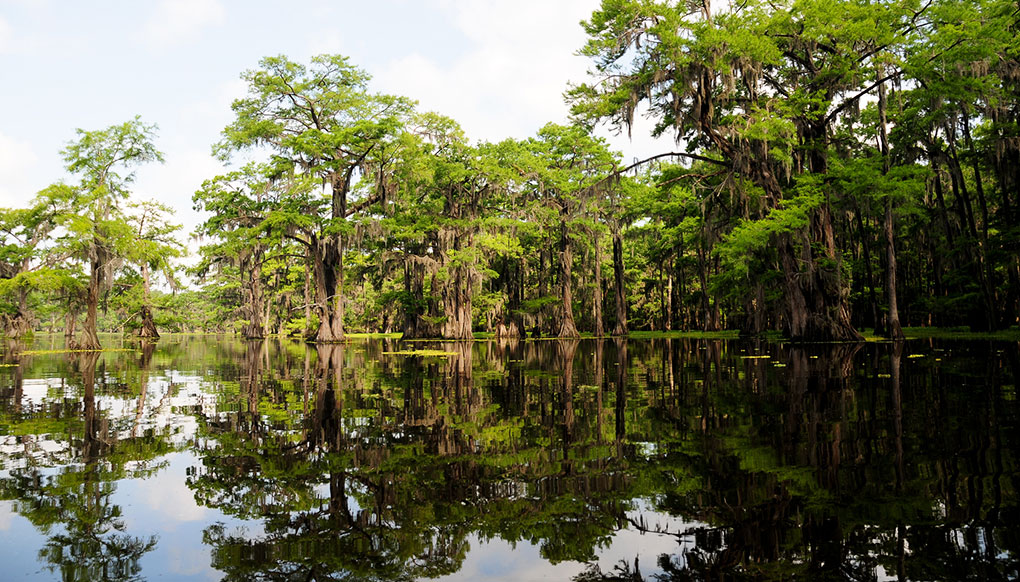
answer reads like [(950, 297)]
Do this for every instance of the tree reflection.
[(805, 469), (388, 474), (324, 518), (383, 461), (73, 504)]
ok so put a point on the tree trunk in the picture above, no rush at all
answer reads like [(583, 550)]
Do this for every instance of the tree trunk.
[(668, 323), (988, 272), (458, 287), (457, 306), (815, 307), (978, 182), (89, 339), (710, 311), (21, 322), (600, 329), (251, 291), (868, 272), (758, 320), (976, 252), (567, 327), (817, 297), (308, 300), (283, 316), (17, 325), (70, 320), (543, 291), (148, 328), (621, 300), (266, 316), (684, 320), (940, 198), (414, 283), (514, 319), (894, 329), (327, 265)]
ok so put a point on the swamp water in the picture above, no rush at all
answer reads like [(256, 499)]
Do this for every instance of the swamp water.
[(681, 459)]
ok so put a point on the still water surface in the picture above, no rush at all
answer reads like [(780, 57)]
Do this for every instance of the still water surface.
[(207, 458)]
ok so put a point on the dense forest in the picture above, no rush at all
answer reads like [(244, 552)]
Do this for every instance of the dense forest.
[(838, 166)]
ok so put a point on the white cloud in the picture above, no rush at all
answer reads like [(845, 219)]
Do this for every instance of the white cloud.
[(17, 167), (175, 182), (511, 22), (329, 43), (167, 499), (6, 515), (206, 116), (6, 37), (191, 561), (511, 81), (176, 21)]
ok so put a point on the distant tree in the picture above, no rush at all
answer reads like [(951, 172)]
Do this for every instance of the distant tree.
[(153, 251), (25, 265), (96, 229), (239, 202), (434, 222), (320, 120), (572, 168)]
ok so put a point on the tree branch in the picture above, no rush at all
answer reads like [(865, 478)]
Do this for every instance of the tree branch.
[(846, 102), (673, 154)]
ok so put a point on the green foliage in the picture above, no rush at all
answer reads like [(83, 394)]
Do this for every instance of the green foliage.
[(797, 125), (751, 237), (101, 158)]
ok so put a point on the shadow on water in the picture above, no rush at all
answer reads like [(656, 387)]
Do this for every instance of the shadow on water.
[(372, 461)]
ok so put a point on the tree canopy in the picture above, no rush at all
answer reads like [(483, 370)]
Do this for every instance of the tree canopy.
[(837, 166)]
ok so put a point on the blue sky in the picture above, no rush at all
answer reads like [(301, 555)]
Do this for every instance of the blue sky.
[(498, 67)]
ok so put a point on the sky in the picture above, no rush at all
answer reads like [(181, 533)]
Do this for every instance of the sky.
[(498, 67)]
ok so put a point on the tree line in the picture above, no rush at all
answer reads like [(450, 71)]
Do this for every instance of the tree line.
[(839, 165)]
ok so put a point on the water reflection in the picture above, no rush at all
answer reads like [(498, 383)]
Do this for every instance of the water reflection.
[(671, 459), (66, 492)]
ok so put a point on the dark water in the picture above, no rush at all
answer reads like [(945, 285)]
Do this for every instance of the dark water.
[(679, 459)]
